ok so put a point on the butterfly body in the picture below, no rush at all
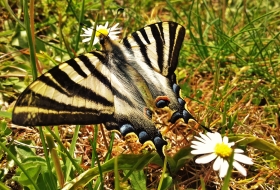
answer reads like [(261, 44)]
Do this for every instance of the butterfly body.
[(121, 86)]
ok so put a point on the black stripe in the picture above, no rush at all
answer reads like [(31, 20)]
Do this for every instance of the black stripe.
[(103, 79), (45, 119), (126, 43), (172, 36), (100, 55), (43, 78), (122, 97), (74, 89), (76, 67), (122, 66), (145, 36), (143, 48), (159, 45), (175, 46), (60, 106), (40, 101)]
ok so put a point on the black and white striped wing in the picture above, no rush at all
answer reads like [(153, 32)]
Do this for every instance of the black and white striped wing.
[(76, 92), (157, 46)]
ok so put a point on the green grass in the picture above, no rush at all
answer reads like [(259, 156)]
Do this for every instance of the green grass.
[(229, 74)]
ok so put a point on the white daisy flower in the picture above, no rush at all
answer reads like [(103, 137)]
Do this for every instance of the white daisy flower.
[(213, 146), (100, 29)]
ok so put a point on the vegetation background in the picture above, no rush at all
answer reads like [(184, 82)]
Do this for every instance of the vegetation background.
[(228, 71)]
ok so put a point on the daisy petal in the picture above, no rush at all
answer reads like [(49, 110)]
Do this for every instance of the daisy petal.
[(243, 159), (200, 139), (205, 158), (112, 32), (224, 169), (198, 146), (230, 144), (225, 139), (106, 24), (217, 164), (212, 146), (115, 26), (238, 150), (197, 143), (240, 168), (202, 151), (205, 137), (86, 40), (203, 147), (215, 137)]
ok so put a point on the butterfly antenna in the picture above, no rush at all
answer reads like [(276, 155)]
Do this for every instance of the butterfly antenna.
[(83, 24), (206, 128), (119, 11)]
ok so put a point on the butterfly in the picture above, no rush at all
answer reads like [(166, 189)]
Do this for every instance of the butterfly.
[(122, 86)]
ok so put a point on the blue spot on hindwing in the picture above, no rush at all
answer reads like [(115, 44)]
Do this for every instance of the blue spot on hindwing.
[(143, 137), (177, 115), (181, 102), (162, 103), (187, 116), (126, 128), (176, 88)]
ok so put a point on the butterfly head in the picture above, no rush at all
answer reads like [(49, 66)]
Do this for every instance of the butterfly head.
[(102, 38)]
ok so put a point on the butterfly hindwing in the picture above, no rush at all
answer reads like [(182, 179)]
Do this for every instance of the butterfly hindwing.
[(156, 47)]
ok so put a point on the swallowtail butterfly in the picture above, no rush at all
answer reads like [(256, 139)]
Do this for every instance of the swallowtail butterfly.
[(121, 86)]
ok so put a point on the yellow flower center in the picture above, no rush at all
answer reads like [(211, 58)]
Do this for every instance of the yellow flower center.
[(103, 31), (223, 150)]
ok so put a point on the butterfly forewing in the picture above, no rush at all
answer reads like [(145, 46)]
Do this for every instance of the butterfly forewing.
[(75, 92)]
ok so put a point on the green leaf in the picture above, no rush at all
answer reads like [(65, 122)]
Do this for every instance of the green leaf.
[(5, 114), (3, 186), (167, 181), (257, 143), (4, 130), (31, 160), (181, 157), (125, 162), (44, 179), (137, 179), (33, 171), (24, 152), (20, 39)]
